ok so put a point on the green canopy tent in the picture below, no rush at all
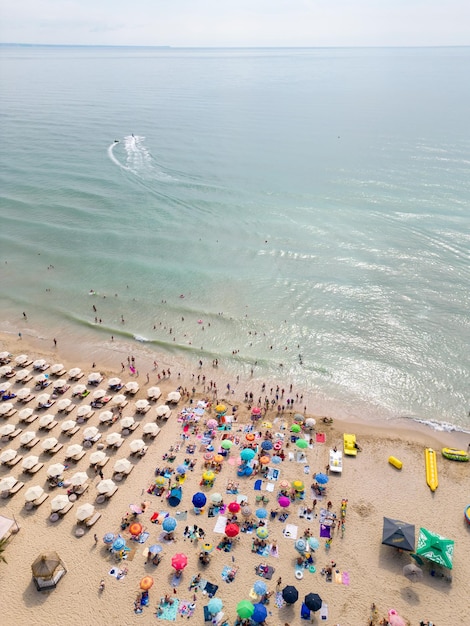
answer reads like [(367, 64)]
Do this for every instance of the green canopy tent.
[(435, 548)]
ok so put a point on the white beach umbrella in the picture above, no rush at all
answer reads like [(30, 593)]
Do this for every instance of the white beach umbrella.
[(310, 422), (141, 405), (39, 364), (49, 443), (59, 502), (84, 410), (105, 416), (7, 455), (21, 358), (43, 398), (4, 356), (59, 384), (22, 374), (131, 387), (84, 511), (29, 462), (105, 486), (63, 404), (90, 432), (74, 372), (77, 390), (6, 408), (40, 378), (5, 370), (94, 377), (97, 457), (5, 386), (163, 410), (23, 393), (27, 437), (118, 400), (127, 422), (25, 414), (79, 479), (154, 393), (122, 465), (45, 420), (136, 445), (113, 438), (151, 428), (56, 368), (114, 382), (33, 493), (173, 396), (67, 425), (6, 430), (56, 469), (7, 483), (73, 450), (98, 394)]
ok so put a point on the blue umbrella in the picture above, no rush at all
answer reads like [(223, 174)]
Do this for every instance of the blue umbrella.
[(109, 538), (155, 549), (261, 513), (260, 613), (276, 460), (181, 469), (169, 524), (266, 445), (321, 479), (313, 543), (248, 471), (119, 543), (260, 587), (300, 545), (247, 454), (199, 499), (215, 605)]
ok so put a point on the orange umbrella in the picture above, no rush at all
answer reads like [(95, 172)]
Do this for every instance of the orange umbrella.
[(218, 458), (264, 460), (146, 583), (135, 528), (250, 437)]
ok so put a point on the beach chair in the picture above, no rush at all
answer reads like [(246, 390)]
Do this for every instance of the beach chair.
[(28, 398), (31, 444), (19, 485), (55, 449), (73, 431), (92, 520), (36, 503), (32, 418), (35, 469), (15, 433), (79, 491), (63, 512), (14, 461), (50, 426)]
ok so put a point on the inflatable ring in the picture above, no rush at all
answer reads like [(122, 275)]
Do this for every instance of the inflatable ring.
[(312, 569), (299, 574), (277, 445), (250, 437)]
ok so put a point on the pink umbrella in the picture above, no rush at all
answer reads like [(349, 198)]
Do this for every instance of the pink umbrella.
[(212, 423), (233, 507), (256, 410), (394, 619), (136, 509), (284, 501), (179, 561)]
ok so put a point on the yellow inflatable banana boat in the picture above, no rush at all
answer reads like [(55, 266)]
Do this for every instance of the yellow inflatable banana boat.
[(431, 468)]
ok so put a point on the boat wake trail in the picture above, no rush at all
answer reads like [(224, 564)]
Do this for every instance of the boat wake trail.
[(138, 159)]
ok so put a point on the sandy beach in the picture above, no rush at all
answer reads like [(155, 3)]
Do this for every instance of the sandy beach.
[(364, 572)]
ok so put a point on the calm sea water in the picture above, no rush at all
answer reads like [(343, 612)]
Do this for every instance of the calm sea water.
[(311, 205)]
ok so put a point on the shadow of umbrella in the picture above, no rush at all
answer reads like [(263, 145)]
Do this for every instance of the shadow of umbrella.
[(413, 572)]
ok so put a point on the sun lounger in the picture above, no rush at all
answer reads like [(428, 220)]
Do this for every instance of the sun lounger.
[(79, 491), (57, 374), (77, 377), (110, 494), (115, 445), (40, 500), (65, 510), (55, 449), (10, 413), (31, 444), (26, 379), (69, 409), (12, 435), (14, 461), (72, 432), (49, 426), (27, 399), (35, 469), (76, 457), (103, 462), (92, 520), (16, 487), (32, 418)]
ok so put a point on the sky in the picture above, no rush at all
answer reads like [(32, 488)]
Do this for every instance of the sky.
[(237, 22)]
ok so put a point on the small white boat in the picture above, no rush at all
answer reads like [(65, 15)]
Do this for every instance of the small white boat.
[(336, 461)]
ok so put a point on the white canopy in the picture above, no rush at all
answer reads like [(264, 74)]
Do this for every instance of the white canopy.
[(33, 493), (59, 502), (84, 511), (136, 445)]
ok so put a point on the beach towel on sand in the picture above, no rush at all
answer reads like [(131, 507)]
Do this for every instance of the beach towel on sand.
[(186, 608), (320, 437), (290, 531), (324, 612), (220, 525), (168, 611)]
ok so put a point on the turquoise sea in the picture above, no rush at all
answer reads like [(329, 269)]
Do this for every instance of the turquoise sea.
[(311, 205)]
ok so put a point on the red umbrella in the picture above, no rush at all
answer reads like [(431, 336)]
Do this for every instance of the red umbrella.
[(135, 528), (232, 530), (233, 507), (179, 561)]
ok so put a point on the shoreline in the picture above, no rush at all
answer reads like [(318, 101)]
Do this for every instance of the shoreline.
[(372, 487)]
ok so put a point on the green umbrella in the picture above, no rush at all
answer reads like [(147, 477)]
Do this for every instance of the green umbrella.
[(226, 444), (295, 428), (245, 609), (435, 548), (301, 443)]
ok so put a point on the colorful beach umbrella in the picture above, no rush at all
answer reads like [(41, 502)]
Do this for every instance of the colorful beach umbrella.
[(290, 594), (262, 532), (135, 529), (301, 545), (207, 547), (256, 410), (226, 444), (146, 583), (215, 605), (232, 530), (266, 445), (276, 460), (218, 458), (109, 538), (247, 454), (216, 498), (199, 500), (264, 460), (208, 477), (234, 507), (321, 479), (245, 609), (298, 485), (313, 543), (119, 543), (295, 428), (212, 423), (301, 443), (435, 548), (246, 511), (220, 408), (260, 613), (169, 524), (260, 587), (284, 501), (313, 602), (181, 469), (160, 481), (179, 561), (261, 513)]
